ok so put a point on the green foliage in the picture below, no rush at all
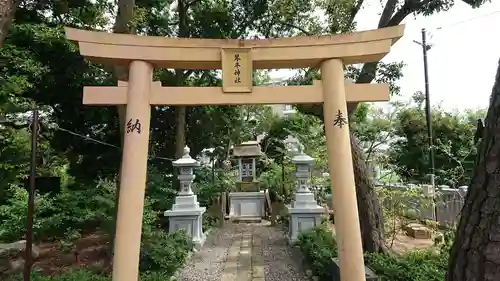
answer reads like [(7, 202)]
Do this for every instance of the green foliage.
[(395, 141), (159, 190), (322, 189), (445, 241), (319, 247), (81, 210), (14, 148), (401, 206), (210, 221), (453, 145), (419, 265), (164, 252), (210, 183), (272, 179), (308, 131), (45, 68), (374, 129)]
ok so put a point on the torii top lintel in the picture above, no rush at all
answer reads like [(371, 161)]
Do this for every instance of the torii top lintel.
[(193, 53)]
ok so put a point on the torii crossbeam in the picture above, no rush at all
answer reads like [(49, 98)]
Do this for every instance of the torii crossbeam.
[(105, 95), (237, 59)]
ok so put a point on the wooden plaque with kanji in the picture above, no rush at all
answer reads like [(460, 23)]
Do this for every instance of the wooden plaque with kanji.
[(237, 70)]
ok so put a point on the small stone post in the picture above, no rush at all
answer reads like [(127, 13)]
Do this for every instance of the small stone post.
[(462, 190), (429, 192), (304, 211), (186, 213)]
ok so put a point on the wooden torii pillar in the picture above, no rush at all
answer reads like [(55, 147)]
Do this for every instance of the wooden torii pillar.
[(237, 59)]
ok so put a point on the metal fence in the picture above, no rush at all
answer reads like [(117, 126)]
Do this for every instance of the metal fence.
[(448, 202)]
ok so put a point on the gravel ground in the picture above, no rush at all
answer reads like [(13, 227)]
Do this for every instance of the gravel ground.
[(282, 262), (207, 264)]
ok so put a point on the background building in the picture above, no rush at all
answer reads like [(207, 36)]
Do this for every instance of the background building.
[(282, 110)]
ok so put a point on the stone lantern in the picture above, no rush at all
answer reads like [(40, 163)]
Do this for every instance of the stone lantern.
[(247, 201), (304, 212), (186, 212)]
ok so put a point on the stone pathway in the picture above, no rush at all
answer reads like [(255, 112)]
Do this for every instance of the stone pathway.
[(245, 252)]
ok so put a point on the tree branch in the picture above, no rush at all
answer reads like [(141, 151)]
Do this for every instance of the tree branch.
[(204, 75), (307, 33), (387, 19), (387, 13), (354, 11), (408, 8)]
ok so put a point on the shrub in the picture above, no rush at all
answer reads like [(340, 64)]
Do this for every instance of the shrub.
[(210, 220), (159, 190), (163, 252), (420, 265), (319, 247), (272, 179), (210, 183), (81, 210)]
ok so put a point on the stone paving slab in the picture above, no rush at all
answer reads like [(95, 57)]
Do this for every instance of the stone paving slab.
[(245, 252)]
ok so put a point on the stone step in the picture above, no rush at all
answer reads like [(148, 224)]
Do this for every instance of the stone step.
[(246, 220), (418, 231)]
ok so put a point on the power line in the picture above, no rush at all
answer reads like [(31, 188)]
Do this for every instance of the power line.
[(87, 138), (105, 143), (453, 24), (117, 147), (467, 20), (444, 27)]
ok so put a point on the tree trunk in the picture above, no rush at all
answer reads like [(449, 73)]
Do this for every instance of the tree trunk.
[(180, 111), (475, 254), (370, 213), (180, 134), (7, 11)]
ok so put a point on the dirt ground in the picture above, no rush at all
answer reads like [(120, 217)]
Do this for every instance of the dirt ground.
[(403, 243), (90, 252)]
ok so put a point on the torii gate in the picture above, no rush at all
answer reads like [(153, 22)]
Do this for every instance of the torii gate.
[(237, 58)]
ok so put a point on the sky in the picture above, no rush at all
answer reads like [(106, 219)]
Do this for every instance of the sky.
[(462, 61)]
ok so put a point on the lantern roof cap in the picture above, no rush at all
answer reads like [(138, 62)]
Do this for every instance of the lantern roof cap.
[(301, 157), (186, 160)]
